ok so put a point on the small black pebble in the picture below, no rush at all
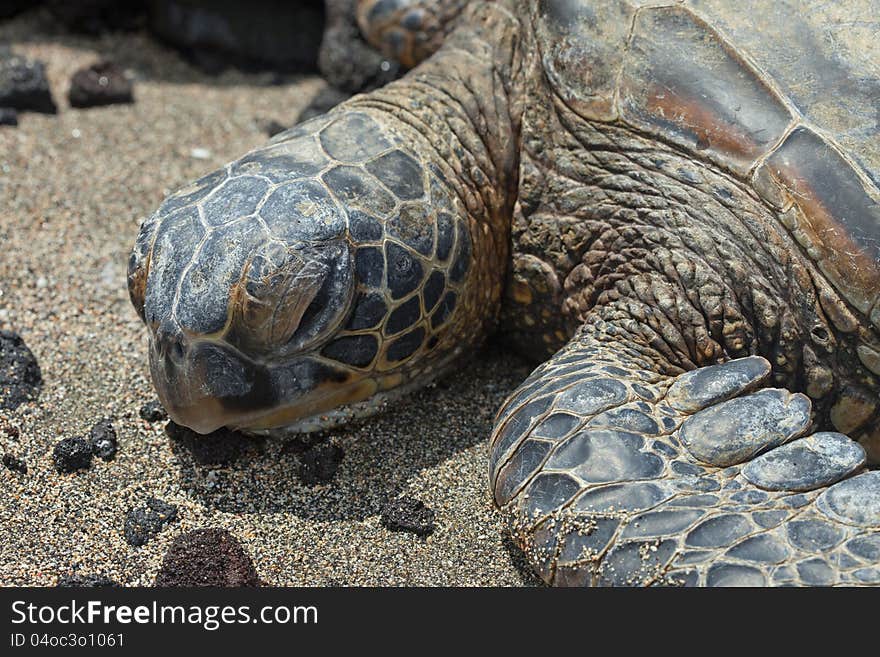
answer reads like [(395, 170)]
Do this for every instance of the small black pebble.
[(72, 454), (24, 85), (104, 83), (152, 411), (143, 523), (103, 440), (407, 514), (319, 464), (10, 430), (221, 447), (207, 557), (20, 376), (8, 116), (15, 464), (302, 443), (87, 581)]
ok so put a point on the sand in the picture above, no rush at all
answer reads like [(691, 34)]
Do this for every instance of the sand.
[(73, 188)]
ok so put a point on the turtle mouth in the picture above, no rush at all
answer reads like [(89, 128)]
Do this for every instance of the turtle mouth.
[(207, 385)]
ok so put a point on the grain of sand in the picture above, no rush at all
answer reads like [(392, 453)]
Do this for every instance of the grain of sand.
[(73, 188)]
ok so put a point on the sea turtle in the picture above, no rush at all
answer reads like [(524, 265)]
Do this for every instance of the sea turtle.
[(674, 206)]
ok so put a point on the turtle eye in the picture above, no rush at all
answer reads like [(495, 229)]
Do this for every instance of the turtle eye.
[(272, 299), (289, 299)]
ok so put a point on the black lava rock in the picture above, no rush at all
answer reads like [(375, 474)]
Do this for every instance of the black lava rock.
[(8, 116), (102, 438), (20, 376), (143, 523), (319, 464), (152, 411), (24, 86), (207, 557), (96, 17), (104, 83), (221, 447), (407, 514), (9, 8), (14, 463), (72, 454), (258, 34), (86, 581)]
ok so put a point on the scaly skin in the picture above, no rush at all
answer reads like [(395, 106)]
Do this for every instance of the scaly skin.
[(697, 352)]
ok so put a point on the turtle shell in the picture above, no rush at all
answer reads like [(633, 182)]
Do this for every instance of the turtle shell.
[(783, 95)]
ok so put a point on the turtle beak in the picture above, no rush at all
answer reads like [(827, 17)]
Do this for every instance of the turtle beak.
[(205, 385)]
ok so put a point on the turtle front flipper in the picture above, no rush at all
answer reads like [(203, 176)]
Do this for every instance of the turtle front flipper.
[(408, 31), (611, 473)]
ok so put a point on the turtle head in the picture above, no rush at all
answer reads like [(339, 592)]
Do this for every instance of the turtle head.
[(290, 291)]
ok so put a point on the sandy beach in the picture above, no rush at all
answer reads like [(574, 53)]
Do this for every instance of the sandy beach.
[(73, 189)]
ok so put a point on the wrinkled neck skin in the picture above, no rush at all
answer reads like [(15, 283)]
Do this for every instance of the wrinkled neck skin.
[(621, 230)]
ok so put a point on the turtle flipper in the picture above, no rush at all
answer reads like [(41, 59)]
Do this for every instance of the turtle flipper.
[(408, 31), (612, 474)]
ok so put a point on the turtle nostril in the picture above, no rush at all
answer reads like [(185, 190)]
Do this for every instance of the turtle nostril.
[(175, 350), (170, 343)]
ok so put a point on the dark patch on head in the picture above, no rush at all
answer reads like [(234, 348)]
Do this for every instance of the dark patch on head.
[(357, 350), (404, 316), (370, 266), (404, 271), (406, 345), (203, 304), (400, 173), (369, 310)]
